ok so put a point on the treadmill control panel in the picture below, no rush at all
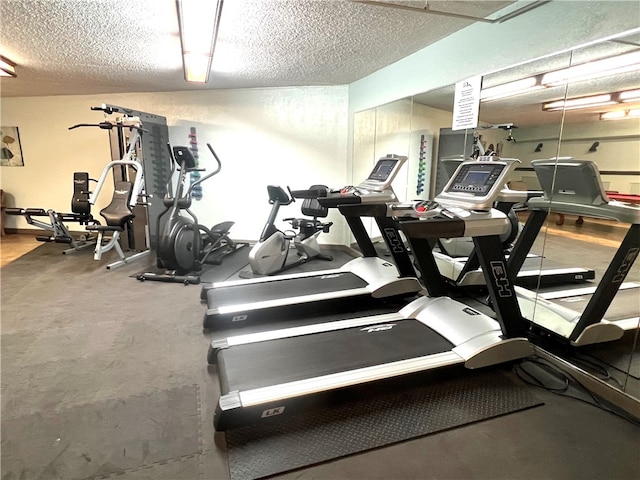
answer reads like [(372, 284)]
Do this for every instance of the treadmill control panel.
[(437, 220), (384, 170), (476, 179), (476, 185), (375, 189)]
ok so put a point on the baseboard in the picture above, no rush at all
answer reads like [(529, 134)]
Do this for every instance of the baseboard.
[(37, 231), (23, 231)]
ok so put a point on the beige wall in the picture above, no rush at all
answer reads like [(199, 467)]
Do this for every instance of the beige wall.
[(284, 136)]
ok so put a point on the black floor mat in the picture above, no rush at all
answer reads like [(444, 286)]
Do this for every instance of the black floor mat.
[(330, 433)]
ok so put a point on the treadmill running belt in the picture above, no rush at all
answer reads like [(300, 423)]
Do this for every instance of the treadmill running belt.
[(285, 360), (295, 287)]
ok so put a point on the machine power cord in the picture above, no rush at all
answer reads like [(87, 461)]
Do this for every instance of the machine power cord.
[(525, 371)]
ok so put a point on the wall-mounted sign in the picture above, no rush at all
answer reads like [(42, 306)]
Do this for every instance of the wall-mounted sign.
[(466, 104)]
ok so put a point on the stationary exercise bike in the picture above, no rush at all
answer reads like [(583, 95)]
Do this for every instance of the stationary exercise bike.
[(184, 245), (271, 253)]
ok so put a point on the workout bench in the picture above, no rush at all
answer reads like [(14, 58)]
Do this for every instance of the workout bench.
[(81, 214)]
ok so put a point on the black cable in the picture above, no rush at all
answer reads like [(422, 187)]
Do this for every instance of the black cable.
[(531, 379), (596, 366)]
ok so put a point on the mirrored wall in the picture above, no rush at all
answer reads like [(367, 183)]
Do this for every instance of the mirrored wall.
[(567, 111)]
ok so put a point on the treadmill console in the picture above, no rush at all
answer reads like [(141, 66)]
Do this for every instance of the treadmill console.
[(476, 185), (375, 189), (383, 173)]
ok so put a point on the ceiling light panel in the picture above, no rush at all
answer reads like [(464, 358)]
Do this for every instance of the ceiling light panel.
[(583, 102), (624, 63)]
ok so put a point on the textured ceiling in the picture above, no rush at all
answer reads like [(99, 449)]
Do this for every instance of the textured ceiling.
[(111, 46)]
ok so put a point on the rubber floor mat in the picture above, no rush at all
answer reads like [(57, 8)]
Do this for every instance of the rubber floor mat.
[(330, 433)]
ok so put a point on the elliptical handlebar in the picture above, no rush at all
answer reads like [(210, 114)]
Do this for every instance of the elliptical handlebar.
[(175, 165), (206, 177)]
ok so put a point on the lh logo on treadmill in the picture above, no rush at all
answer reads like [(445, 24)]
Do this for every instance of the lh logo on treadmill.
[(272, 412), (502, 281), (395, 242), (378, 328)]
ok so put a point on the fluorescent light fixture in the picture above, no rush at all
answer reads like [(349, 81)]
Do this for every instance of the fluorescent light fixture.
[(626, 96), (7, 67), (580, 102), (511, 89), (198, 21), (629, 96), (621, 114), (627, 62)]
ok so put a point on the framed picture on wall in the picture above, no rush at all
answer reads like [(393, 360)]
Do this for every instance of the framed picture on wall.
[(11, 150)]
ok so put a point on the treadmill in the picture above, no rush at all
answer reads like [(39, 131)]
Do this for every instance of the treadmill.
[(464, 271), (269, 375), (362, 280), (574, 187)]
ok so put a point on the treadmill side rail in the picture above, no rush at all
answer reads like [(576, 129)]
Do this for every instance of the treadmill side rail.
[(360, 279), (217, 345), (250, 406)]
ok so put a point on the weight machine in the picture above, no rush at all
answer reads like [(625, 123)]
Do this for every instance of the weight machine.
[(125, 216)]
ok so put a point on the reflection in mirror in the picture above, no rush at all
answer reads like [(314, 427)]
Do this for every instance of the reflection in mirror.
[(604, 231), (377, 132), (580, 248), (579, 227), (393, 129)]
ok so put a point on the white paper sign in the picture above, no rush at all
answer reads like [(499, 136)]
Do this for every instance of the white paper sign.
[(466, 104)]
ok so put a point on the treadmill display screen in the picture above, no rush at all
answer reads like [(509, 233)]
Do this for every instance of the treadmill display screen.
[(475, 177), (382, 170)]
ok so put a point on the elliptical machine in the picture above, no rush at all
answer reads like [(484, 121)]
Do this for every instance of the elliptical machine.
[(184, 245), (271, 253)]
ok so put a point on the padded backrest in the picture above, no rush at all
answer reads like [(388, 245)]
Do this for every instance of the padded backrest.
[(570, 180), (80, 200), (118, 212), (311, 207)]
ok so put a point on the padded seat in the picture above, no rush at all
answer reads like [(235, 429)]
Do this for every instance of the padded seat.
[(118, 212), (311, 208)]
